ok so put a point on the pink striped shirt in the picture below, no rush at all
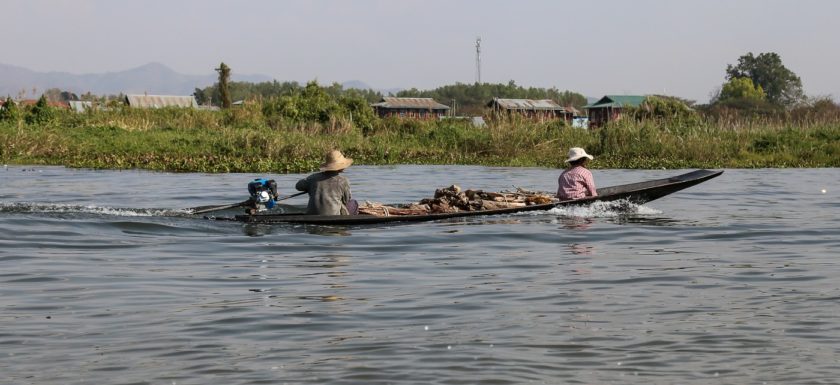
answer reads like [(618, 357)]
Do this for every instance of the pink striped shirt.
[(575, 183)]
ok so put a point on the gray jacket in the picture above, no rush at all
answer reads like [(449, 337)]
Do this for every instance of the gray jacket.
[(328, 191)]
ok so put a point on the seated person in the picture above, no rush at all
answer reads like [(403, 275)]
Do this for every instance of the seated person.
[(576, 181), (329, 192)]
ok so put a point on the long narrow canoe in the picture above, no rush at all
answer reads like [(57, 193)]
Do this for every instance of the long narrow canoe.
[(637, 193)]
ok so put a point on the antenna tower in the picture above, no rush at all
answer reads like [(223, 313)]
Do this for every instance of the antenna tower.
[(478, 60)]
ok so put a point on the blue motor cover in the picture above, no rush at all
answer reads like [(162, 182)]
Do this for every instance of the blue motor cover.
[(263, 192)]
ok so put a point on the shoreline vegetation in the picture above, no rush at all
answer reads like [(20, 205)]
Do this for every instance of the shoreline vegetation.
[(288, 128), (243, 140)]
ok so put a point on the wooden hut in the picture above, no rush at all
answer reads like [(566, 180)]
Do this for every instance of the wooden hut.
[(413, 108), (545, 109), (610, 108)]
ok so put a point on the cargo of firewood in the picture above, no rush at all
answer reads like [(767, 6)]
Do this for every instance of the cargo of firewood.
[(453, 199), (381, 210)]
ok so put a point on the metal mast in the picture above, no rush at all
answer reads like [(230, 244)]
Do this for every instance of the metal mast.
[(478, 60)]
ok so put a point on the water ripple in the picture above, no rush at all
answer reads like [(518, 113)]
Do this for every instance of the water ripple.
[(727, 282)]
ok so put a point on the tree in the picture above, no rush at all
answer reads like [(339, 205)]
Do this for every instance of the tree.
[(201, 97), (324, 105), (741, 88), (53, 95), (781, 85), (10, 111), (41, 112), (57, 95), (89, 97), (224, 77)]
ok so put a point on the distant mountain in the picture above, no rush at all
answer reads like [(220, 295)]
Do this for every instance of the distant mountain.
[(152, 78), (360, 85), (357, 84)]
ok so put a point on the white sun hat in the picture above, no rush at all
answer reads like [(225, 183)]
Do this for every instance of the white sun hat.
[(576, 153)]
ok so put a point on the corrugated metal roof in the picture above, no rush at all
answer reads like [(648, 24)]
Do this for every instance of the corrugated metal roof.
[(527, 104), (160, 101), (80, 106), (615, 101), (412, 103)]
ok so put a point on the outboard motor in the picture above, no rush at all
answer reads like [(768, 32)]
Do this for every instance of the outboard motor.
[(263, 194)]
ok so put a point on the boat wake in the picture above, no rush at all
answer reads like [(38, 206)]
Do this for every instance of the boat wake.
[(610, 209), (64, 209), (40, 208)]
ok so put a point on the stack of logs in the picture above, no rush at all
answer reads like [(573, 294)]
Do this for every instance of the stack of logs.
[(452, 199)]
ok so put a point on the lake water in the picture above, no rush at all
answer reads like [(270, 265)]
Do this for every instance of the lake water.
[(103, 280)]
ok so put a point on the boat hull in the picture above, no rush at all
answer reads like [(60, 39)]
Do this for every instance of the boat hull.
[(637, 193)]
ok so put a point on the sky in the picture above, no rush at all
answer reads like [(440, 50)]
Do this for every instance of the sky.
[(596, 48)]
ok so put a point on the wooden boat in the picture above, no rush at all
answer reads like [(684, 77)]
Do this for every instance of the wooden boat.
[(637, 193)]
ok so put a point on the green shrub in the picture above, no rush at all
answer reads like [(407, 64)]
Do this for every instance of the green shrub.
[(10, 111), (41, 112)]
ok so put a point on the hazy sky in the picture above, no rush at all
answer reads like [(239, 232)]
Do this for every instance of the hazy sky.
[(677, 47)]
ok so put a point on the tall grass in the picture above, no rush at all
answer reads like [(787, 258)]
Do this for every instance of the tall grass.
[(246, 140)]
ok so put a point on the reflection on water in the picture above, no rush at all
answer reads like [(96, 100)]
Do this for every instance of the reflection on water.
[(329, 272), (575, 223), (581, 249), (259, 230), (649, 220), (339, 231)]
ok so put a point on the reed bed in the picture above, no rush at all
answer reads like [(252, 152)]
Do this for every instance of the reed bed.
[(247, 140)]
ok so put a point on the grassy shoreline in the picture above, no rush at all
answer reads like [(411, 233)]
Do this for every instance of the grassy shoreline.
[(243, 141)]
